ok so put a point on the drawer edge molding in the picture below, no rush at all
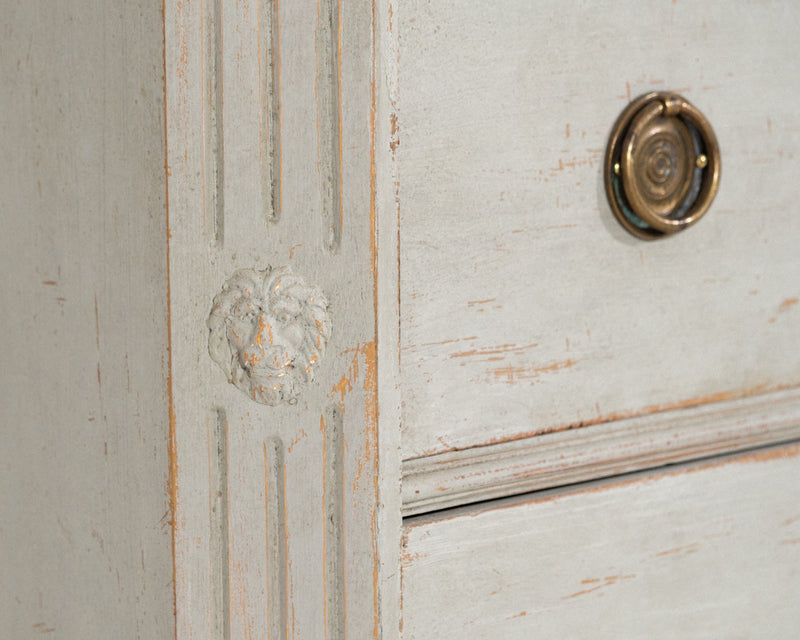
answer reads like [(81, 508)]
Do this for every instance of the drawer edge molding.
[(623, 446)]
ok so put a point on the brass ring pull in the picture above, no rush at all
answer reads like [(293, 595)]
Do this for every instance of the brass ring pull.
[(662, 166)]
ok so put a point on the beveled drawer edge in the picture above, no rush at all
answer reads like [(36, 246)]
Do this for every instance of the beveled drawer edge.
[(482, 473)]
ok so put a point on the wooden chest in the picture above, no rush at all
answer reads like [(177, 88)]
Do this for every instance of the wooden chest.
[(319, 323)]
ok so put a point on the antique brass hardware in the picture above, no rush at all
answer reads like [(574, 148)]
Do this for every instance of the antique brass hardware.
[(662, 165)]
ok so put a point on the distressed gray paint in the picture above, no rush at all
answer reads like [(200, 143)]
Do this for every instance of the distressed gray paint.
[(306, 525), (525, 306), (85, 538), (264, 515), (707, 550)]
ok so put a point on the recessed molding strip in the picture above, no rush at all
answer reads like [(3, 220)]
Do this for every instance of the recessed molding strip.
[(541, 462)]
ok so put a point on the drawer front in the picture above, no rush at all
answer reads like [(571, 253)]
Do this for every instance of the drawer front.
[(525, 306), (701, 552)]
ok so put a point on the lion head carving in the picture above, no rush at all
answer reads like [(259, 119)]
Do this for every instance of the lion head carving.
[(268, 331)]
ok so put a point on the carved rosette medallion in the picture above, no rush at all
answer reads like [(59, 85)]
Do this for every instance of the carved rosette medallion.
[(268, 331)]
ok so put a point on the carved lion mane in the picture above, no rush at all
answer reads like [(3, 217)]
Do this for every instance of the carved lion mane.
[(268, 330)]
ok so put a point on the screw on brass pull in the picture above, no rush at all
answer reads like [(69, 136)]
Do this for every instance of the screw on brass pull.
[(662, 166)]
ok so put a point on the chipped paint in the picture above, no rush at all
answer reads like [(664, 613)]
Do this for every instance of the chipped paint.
[(371, 355), (503, 349), (172, 445), (345, 385), (691, 548), (513, 375), (368, 354), (472, 303), (302, 435), (394, 138), (607, 582), (441, 342), (790, 521)]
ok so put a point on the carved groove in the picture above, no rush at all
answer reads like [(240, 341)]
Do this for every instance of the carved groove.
[(214, 145), (275, 498), (218, 499), (329, 120), (332, 507), (269, 16)]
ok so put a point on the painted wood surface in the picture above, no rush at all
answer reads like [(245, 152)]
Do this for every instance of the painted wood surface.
[(155, 154), (614, 448), (287, 517), (85, 543), (704, 551), (525, 307)]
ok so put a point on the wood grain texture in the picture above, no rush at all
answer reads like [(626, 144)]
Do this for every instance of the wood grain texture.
[(306, 482), (85, 543), (525, 307), (577, 455), (704, 551)]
